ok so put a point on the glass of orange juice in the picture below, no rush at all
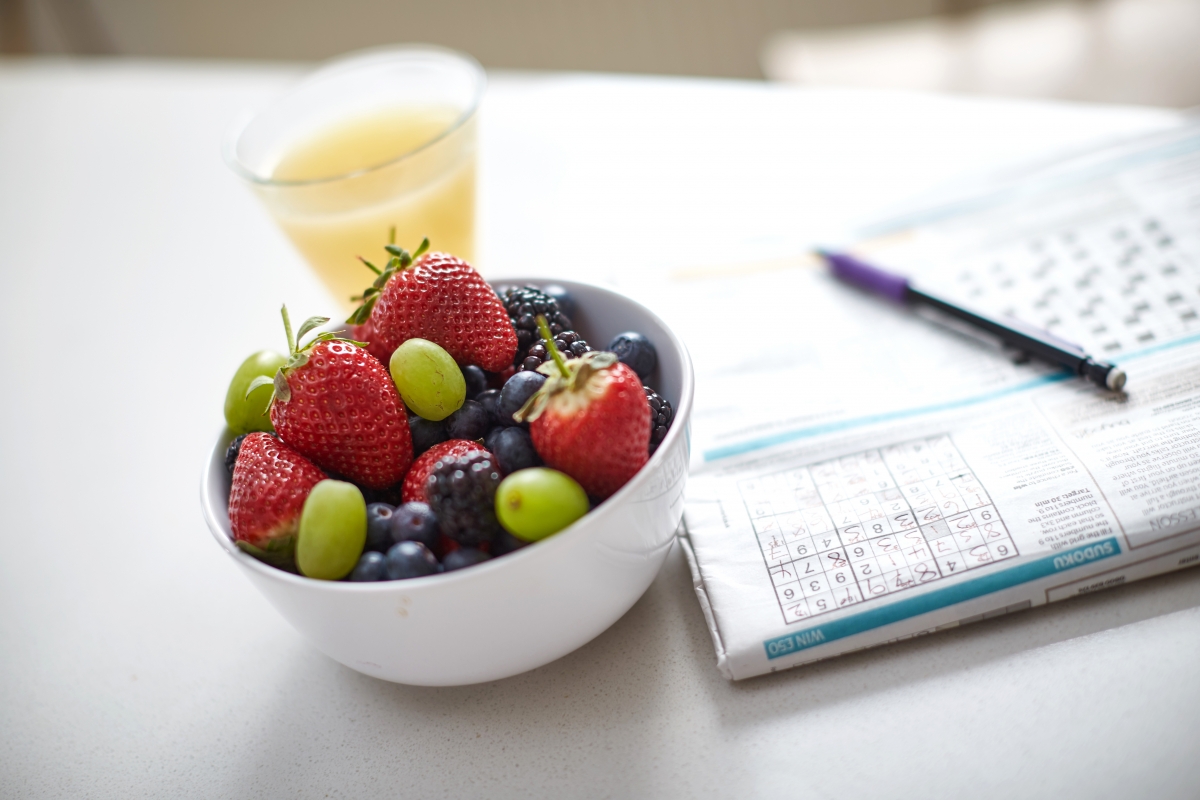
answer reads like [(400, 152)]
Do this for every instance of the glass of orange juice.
[(375, 140)]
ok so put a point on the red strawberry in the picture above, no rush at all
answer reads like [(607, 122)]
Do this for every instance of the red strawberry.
[(418, 473), (440, 298), (271, 481), (337, 405), (590, 419)]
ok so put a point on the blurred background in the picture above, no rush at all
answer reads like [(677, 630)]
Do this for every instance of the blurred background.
[(1129, 51)]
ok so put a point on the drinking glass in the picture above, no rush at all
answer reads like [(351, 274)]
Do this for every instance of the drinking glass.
[(378, 139)]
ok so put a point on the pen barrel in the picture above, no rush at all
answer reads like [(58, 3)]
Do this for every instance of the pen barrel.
[(1036, 342), (1010, 332), (864, 275)]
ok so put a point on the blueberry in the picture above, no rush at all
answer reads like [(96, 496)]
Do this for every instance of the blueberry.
[(410, 560), (476, 380), (490, 439), (425, 433), (414, 522), (379, 531), (636, 352), (371, 566), (566, 302), (469, 422), (490, 400), (505, 543), (516, 392), (463, 557), (513, 449)]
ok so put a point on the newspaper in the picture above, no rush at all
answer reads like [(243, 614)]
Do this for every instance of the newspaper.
[(861, 475)]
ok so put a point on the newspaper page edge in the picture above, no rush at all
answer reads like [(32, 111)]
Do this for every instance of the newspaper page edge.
[(702, 594)]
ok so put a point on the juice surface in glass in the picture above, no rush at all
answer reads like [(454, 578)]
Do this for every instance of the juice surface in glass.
[(339, 189)]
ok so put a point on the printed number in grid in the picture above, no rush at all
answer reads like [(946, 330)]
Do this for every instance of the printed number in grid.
[(839, 532), (1113, 287)]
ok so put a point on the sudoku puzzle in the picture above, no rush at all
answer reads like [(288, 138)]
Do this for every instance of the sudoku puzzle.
[(843, 531)]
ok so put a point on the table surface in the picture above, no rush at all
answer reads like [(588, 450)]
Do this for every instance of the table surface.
[(135, 271)]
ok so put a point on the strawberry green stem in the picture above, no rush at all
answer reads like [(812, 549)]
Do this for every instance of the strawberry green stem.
[(544, 329), (287, 326)]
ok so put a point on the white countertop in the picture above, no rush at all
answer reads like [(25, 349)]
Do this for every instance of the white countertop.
[(136, 272)]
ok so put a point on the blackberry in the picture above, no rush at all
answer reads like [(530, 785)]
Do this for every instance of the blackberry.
[(462, 494), (569, 343), (661, 415), (231, 452), (523, 305)]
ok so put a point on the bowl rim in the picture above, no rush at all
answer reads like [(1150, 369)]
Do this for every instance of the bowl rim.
[(545, 546)]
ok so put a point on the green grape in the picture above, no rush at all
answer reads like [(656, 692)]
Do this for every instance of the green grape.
[(533, 503), (245, 414), (429, 381), (333, 530)]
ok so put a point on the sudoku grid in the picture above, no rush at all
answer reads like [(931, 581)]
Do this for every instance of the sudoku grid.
[(871, 524)]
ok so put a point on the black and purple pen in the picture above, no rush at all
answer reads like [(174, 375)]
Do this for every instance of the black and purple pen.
[(1011, 332)]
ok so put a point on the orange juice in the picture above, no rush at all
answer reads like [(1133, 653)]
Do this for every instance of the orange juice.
[(338, 190)]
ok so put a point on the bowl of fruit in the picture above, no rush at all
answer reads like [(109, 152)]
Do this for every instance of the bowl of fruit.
[(458, 486)]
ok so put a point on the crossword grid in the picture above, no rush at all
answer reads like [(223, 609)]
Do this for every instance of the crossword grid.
[(842, 531)]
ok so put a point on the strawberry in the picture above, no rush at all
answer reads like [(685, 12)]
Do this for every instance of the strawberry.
[(271, 481), (440, 298), (590, 419), (418, 473), (337, 405)]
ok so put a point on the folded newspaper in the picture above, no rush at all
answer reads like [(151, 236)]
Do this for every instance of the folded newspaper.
[(861, 475)]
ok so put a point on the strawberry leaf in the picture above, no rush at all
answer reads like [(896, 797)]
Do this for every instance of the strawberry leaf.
[(261, 380), (309, 324), (360, 315), (283, 392), (534, 407)]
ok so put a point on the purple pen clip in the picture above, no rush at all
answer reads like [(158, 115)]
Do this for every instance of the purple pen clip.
[(851, 270)]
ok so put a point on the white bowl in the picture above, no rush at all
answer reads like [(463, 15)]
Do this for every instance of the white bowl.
[(519, 611)]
